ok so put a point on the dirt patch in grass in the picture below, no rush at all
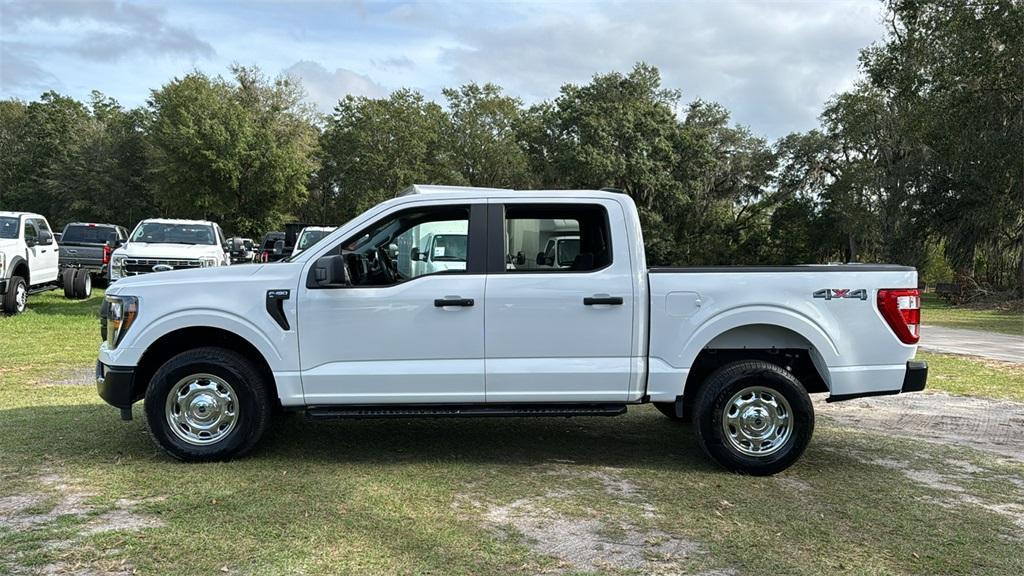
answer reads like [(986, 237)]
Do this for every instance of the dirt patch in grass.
[(614, 539), (58, 516), (949, 480), (994, 426)]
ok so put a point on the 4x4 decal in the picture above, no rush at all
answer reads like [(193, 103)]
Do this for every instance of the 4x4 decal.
[(830, 293)]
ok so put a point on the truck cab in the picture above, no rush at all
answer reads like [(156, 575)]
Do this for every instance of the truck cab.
[(28, 259), (357, 327)]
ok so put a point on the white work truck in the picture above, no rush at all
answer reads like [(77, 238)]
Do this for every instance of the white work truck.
[(29, 258), (162, 245), (348, 329)]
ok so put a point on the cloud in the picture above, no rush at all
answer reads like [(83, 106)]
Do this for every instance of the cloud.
[(324, 88), (18, 72), (98, 31), (773, 65)]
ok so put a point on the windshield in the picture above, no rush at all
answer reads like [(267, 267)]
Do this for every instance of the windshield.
[(310, 237), (168, 233), (449, 248), (85, 234), (8, 227)]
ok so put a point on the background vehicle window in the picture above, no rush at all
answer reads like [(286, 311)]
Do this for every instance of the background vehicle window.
[(409, 244), (556, 238), (8, 227), (81, 234), (31, 233), (168, 233)]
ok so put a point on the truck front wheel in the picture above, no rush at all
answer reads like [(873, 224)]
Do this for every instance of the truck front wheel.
[(753, 417), (16, 298), (207, 404)]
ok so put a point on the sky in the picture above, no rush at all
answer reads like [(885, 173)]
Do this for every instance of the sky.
[(772, 64)]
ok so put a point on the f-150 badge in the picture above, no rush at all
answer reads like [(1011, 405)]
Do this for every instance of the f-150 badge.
[(830, 293)]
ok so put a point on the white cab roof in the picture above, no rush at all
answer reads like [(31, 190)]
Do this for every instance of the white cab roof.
[(176, 221), (456, 191), (19, 214)]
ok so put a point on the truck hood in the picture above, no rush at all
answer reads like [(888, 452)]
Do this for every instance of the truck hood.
[(168, 251), (213, 278)]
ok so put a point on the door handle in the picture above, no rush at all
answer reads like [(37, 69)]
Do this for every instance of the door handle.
[(606, 300), (442, 302)]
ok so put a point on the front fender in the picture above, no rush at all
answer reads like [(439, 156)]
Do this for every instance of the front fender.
[(135, 345)]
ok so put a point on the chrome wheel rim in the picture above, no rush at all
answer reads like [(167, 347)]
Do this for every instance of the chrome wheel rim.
[(757, 421), (21, 298), (88, 285), (202, 409)]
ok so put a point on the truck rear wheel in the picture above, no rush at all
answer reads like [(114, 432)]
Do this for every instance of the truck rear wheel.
[(753, 417), (16, 298), (207, 404), (67, 281), (83, 284)]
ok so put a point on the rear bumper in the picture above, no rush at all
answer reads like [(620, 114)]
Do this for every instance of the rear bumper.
[(914, 380), (115, 384)]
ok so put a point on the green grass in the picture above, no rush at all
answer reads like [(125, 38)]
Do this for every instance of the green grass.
[(967, 376), (408, 497), (937, 311)]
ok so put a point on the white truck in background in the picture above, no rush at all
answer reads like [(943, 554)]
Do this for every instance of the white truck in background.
[(162, 245), (29, 257), (349, 329)]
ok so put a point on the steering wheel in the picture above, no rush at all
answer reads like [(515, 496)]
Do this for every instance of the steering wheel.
[(386, 265)]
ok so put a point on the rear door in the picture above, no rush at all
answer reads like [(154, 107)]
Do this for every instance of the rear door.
[(558, 332)]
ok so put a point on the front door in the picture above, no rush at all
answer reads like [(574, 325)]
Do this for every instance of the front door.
[(43, 253), (559, 322), (401, 332)]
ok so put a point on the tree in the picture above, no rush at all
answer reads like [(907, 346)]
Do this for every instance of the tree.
[(483, 137), (372, 148), (237, 152)]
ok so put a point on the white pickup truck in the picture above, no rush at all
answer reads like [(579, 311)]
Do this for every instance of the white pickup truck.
[(162, 245), (342, 331), (29, 258)]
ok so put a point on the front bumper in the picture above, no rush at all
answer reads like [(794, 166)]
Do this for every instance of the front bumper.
[(116, 385), (915, 380)]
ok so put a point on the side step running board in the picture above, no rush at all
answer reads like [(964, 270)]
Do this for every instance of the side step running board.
[(363, 411)]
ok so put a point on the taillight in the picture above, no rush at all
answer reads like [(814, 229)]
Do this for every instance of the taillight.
[(901, 309), (106, 253)]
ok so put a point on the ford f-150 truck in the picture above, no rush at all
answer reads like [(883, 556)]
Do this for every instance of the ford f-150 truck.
[(344, 331), (161, 245)]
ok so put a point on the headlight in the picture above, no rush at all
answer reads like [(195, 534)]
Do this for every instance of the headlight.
[(207, 261), (116, 267), (120, 312)]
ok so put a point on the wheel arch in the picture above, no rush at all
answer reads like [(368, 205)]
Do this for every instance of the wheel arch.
[(19, 267), (780, 345), (180, 340)]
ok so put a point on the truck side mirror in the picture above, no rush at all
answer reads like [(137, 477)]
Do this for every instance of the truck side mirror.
[(540, 259), (416, 255), (45, 238), (329, 272), (278, 247)]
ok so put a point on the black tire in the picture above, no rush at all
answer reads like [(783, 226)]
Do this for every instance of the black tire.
[(253, 409), (13, 305), (67, 280), (83, 284), (710, 412)]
